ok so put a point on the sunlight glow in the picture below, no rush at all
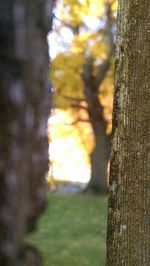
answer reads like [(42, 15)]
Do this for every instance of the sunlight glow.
[(67, 156), (59, 43), (92, 22)]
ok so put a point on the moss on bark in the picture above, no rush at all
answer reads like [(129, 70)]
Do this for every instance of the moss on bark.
[(129, 205)]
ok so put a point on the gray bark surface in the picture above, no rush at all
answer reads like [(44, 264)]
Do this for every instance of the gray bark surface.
[(129, 201), (24, 109)]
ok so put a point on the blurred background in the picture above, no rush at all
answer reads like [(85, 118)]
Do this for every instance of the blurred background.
[(82, 52), (82, 42)]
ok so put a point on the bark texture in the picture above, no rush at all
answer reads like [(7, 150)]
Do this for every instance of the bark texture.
[(129, 201), (24, 109)]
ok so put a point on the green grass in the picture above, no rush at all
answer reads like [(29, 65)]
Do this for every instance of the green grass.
[(72, 231)]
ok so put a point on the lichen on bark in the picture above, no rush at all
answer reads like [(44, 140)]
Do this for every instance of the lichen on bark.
[(129, 201)]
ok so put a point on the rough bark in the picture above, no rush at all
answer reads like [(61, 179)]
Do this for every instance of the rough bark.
[(129, 201), (24, 109)]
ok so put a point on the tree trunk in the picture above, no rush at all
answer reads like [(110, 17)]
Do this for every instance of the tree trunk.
[(129, 201), (99, 162), (24, 109), (100, 155)]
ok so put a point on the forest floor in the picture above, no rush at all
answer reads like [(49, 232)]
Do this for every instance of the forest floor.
[(72, 231)]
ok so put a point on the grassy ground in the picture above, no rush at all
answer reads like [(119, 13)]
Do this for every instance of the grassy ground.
[(72, 231)]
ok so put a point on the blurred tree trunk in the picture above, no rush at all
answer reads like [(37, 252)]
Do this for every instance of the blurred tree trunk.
[(100, 155), (24, 109), (129, 201), (99, 161)]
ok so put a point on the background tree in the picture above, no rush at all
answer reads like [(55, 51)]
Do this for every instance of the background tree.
[(25, 104), (129, 204), (83, 75)]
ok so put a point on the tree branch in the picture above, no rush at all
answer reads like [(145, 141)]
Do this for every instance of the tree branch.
[(106, 63), (75, 99), (77, 121), (79, 106), (102, 72)]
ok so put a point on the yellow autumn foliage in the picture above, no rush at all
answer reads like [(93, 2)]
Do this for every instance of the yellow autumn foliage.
[(73, 11), (66, 73), (66, 77)]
